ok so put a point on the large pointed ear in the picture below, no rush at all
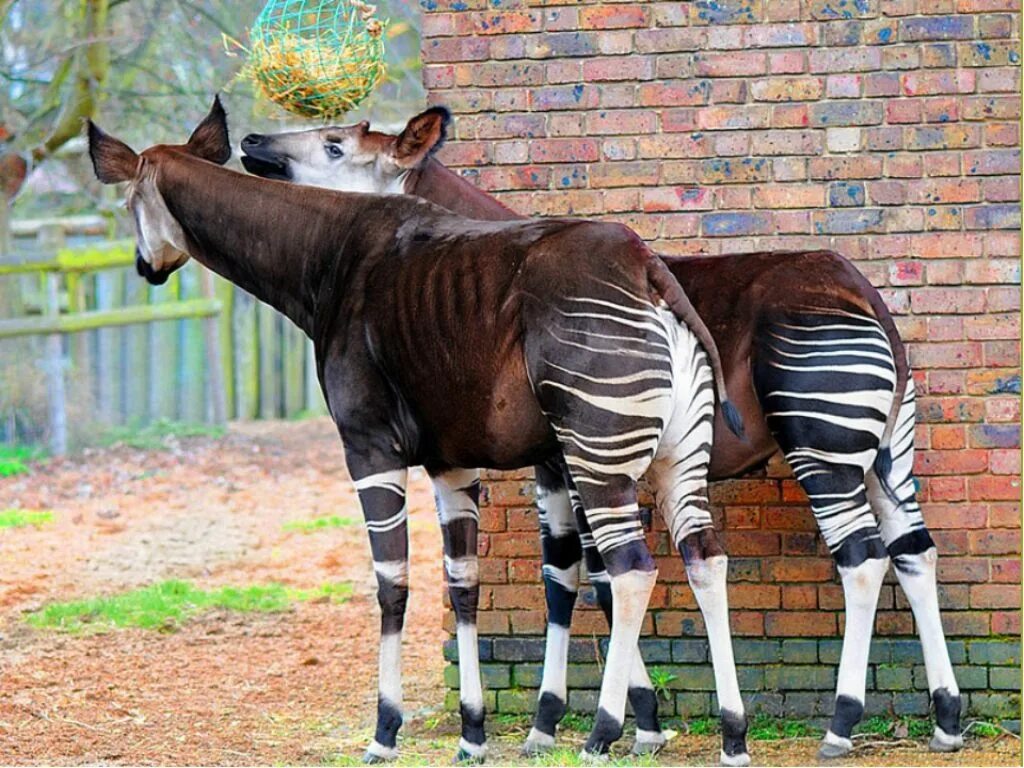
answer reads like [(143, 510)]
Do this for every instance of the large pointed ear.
[(112, 160), (424, 134), (210, 138)]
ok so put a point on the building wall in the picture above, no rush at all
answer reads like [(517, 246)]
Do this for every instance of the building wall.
[(887, 130)]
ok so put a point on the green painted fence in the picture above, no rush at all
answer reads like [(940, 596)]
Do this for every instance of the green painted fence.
[(137, 353)]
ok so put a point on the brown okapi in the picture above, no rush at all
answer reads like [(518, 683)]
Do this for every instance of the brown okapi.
[(456, 344), (817, 369)]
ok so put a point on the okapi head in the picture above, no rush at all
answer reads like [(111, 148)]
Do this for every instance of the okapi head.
[(351, 158), (160, 243)]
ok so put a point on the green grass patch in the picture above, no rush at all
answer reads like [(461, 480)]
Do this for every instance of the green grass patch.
[(157, 435), (877, 726), (14, 459), (768, 728), (703, 726), (169, 604), (319, 523), (574, 721), (19, 518), (985, 730), (919, 728)]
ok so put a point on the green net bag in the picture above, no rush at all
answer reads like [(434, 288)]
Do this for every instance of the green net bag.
[(317, 59)]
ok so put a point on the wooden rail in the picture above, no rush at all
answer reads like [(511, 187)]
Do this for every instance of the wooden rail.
[(68, 265)]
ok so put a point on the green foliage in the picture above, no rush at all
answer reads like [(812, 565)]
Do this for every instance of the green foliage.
[(985, 730), (158, 435), (319, 523), (574, 721), (19, 518), (703, 726), (511, 720), (661, 679), (877, 725), (768, 728), (918, 728), (14, 458), (171, 603)]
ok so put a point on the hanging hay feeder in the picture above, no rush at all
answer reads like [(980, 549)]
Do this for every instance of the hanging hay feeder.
[(317, 59)]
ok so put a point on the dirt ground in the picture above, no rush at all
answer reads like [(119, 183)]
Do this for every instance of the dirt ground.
[(242, 689)]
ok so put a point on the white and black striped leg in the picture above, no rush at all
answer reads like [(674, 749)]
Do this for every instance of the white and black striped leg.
[(382, 496), (458, 494), (641, 695), (561, 554), (614, 519), (707, 569), (915, 560)]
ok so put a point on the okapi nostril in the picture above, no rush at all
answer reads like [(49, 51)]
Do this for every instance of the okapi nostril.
[(252, 140)]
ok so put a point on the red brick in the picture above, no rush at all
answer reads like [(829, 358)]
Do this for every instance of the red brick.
[(800, 624), (613, 16), (995, 596)]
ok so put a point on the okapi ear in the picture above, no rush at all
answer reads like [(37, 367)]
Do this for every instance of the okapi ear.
[(113, 161), (210, 138), (424, 135)]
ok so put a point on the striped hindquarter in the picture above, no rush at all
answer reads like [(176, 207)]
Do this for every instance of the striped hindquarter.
[(649, 398), (826, 381)]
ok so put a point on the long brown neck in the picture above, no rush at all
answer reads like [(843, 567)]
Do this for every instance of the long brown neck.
[(435, 182), (276, 240)]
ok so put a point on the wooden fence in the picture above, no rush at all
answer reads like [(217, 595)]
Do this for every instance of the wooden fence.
[(196, 349)]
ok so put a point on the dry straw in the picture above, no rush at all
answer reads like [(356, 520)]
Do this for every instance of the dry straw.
[(316, 59)]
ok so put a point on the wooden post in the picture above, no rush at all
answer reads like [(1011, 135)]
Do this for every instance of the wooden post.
[(53, 238), (214, 363)]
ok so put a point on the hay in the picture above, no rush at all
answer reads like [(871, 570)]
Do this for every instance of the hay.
[(317, 60)]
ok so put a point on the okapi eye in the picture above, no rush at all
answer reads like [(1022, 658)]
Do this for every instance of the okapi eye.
[(333, 150)]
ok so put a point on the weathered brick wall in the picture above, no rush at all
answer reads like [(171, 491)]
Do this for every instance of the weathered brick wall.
[(887, 130)]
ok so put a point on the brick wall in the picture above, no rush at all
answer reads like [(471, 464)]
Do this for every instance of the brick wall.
[(887, 130)]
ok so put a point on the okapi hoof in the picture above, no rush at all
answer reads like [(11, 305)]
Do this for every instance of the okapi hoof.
[(537, 743), (649, 742), (470, 754), (594, 758), (377, 753), (833, 747), (943, 742), (742, 759)]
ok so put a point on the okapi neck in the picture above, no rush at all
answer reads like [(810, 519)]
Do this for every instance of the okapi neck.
[(437, 183), (275, 240)]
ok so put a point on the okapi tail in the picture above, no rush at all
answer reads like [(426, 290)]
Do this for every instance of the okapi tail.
[(883, 461), (672, 293)]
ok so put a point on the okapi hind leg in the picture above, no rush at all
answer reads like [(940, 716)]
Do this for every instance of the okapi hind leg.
[(915, 560), (382, 496), (707, 569), (457, 493), (561, 554), (641, 695)]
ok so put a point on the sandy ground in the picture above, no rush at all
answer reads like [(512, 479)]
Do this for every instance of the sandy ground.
[(294, 687)]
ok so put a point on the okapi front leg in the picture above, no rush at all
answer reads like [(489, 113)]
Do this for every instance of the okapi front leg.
[(382, 496), (458, 496), (561, 554)]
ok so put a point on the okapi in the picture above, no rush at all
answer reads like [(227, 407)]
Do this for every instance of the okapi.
[(455, 344), (818, 369)]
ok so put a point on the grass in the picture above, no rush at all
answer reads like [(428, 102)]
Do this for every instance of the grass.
[(14, 459), (767, 728), (319, 523), (661, 679), (157, 435), (170, 603), (574, 721), (19, 518), (703, 726)]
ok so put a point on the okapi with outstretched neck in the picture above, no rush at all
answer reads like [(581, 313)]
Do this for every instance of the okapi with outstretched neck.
[(456, 344), (816, 366)]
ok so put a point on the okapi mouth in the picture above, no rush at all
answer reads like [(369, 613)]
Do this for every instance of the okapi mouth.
[(145, 269), (267, 168)]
